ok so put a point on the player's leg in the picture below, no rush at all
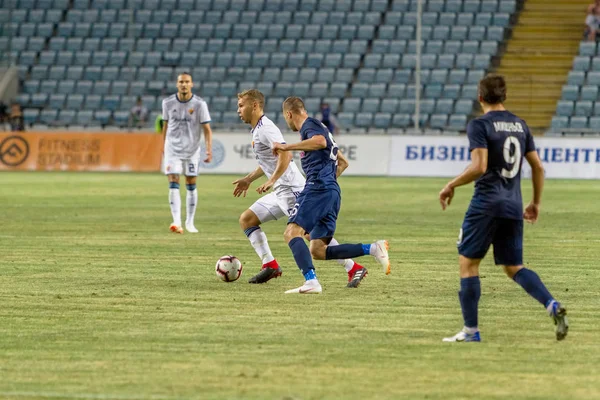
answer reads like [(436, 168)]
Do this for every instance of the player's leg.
[(263, 210), (191, 173), (303, 217), (473, 243), (294, 237), (356, 272), (173, 168), (508, 252)]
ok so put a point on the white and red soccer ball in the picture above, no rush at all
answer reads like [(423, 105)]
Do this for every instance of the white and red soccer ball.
[(229, 268)]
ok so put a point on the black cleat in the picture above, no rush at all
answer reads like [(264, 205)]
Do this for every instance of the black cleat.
[(559, 315), (265, 275), (358, 276)]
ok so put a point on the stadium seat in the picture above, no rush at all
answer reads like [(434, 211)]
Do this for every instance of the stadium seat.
[(457, 122), (565, 108), (559, 123), (578, 123)]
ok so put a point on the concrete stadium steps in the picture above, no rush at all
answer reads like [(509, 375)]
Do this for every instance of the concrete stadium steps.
[(539, 56)]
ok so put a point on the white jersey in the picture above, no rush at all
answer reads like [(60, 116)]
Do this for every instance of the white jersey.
[(264, 134), (183, 125)]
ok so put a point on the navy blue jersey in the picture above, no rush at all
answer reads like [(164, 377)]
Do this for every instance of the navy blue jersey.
[(320, 166), (507, 138)]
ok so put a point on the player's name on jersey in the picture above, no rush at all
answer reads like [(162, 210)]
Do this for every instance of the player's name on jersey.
[(508, 127)]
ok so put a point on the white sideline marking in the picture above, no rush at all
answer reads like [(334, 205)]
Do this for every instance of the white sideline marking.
[(91, 396)]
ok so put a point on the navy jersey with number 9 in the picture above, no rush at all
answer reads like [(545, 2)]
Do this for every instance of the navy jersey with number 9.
[(320, 166), (508, 140)]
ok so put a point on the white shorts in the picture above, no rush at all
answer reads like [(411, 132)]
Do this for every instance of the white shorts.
[(275, 206), (174, 165)]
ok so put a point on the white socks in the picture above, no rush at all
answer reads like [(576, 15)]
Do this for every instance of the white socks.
[(191, 202), (258, 240), (175, 202), (347, 263)]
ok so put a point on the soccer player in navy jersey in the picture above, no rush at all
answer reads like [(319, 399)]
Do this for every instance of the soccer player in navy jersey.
[(498, 140), (318, 205)]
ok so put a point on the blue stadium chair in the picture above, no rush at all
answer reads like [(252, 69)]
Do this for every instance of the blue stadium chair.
[(405, 32), (92, 73), (490, 6), (84, 87), (428, 61), (446, 19), (372, 61), (117, 30), (31, 116), (89, 16), (345, 119), (559, 123), (433, 91), (162, 45), (380, 46), (266, 88), (457, 122), (587, 49), (305, 46), (40, 72), (242, 60), (482, 61), (596, 63), (452, 47), (438, 76), (407, 106), (348, 32), (324, 47), (229, 17), (446, 61), (377, 90), (336, 18), (204, 31), (401, 120), (23, 99), (74, 101), (589, 92), (472, 6), (19, 16), (463, 107), (47, 58), (316, 60), (108, 16), (395, 90), (319, 89), (19, 44), (501, 19), (370, 105), (372, 18), (217, 74), (311, 32), (275, 31), (100, 58), (440, 33), (235, 74), (74, 72), (102, 87), (215, 45), (365, 32), (351, 61), (578, 122), (125, 16), (109, 44), (274, 104), (278, 60), (101, 117), (338, 46), (459, 32), (476, 33), (387, 32), (434, 46), (36, 15), (170, 58), (464, 19), (93, 102), (49, 117), (119, 87), (384, 75), (474, 76), (578, 78), (581, 63), (84, 117), (444, 106), (471, 47), (319, 17), (366, 75), (390, 61), (565, 108), (429, 18), (91, 44), (27, 29), (364, 120), (240, 31), (152, 58), (402, 76), (66, 117), (39, 100), (409, 61), (485, 19), (65, 29), (488, 47), (409, 18), (111, 102), (382, 120), (427, 106), (435, 5), (27, 58), (271, 74), (82, 29), (296, 60), (235, 46), (289, 74), (260, 60), (495, 33), (584, 108), (360, 89), (570, 92), (389, 106), (351, 105), (464, 61), (74, 44), (438, 121), (457, 76), (117, 58), (594, 124), (145, 73), (507, 6), (330, 32), (469, 92), (188, 31)]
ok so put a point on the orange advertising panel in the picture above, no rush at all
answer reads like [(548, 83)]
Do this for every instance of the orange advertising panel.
[(85, 151)]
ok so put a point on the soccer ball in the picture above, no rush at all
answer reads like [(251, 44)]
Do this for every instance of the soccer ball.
[(229, 268)]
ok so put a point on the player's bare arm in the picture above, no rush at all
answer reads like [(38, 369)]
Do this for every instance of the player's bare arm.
[(283, 161), (243, 184), (208, 140), (478, 166), (316, 142), (532, 210), (342, 164)]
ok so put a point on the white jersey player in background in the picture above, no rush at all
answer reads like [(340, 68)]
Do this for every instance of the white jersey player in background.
[(287, 182), (183, 114)]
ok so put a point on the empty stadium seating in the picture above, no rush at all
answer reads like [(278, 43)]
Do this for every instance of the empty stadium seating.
[(81, 57)]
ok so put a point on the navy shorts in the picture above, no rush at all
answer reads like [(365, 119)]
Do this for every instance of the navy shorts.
[(316, 211), (480, 231)]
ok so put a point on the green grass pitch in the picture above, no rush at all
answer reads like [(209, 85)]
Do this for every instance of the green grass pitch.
[(99, 301)]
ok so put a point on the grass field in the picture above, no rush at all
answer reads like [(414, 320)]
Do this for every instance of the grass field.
[(99, 301)]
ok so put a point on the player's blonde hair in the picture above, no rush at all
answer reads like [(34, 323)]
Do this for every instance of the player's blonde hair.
[(294, 104), (253, 95)]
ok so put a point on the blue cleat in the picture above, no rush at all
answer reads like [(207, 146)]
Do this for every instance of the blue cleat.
[(559, 315), (463, 336)]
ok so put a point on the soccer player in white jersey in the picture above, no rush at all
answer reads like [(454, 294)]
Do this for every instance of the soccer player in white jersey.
[(183, 114), (284, 178)]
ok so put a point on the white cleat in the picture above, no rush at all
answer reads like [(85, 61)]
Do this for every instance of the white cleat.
[(176, 229), (191, 228), (380, 252), (310, 287), (463, 336)]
